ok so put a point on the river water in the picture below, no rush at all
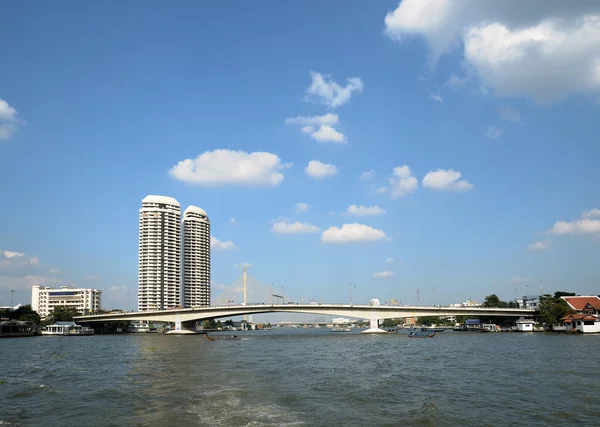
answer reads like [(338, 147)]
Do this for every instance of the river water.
[(309, 377)]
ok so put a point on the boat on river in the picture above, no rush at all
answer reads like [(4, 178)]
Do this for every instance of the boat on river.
[(341, 329), (413, 334)]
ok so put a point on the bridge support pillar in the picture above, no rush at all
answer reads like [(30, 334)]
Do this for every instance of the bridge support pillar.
[(374, 329), (183, 328)]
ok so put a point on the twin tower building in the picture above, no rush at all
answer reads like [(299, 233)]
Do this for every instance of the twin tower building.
[(174, 255)]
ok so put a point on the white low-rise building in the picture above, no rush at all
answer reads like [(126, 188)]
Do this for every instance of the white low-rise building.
[(84, 300), (524, 325)]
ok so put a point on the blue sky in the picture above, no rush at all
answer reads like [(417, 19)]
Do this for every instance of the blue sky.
[(476, 125)]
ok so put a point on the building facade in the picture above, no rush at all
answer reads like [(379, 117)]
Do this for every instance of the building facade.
[(196, 257), (44, 299), (159, 272)]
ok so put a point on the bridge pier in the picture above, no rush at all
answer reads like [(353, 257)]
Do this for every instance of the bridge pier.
[(183, 328), (374, 329)]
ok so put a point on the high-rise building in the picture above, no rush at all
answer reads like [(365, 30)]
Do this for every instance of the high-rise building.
[(44, 299), (159, 272), (196, 257)]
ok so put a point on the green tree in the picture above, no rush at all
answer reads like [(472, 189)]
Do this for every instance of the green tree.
[(219, 324), (24, 313), (552, 309), (559, 294), (492, 301), (229, 322), (209, 324), (63, 313)]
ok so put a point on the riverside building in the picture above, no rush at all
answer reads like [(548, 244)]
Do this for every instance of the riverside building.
[(196, 257), (44, 299), (159, 272)]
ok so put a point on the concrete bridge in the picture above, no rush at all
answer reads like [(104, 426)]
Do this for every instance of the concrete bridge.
[(186, 318)]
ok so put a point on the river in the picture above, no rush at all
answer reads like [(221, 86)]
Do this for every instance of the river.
[(309, 377)]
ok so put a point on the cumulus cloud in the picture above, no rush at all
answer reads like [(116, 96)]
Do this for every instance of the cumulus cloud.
[(117, 288), (364, 210), (386, 273), (9, 120), (24, 283), (329, 92), (283, 226), (493, 132), (228, 167), (319, 170), (592, 213), (539, 246), (55, 271), (92, 278), (402, 182), (389, 260), (446, 180), (232, 220), (301, 207), (352, 233), (218, 245), (541, 49), (320, 128), (12, 259)]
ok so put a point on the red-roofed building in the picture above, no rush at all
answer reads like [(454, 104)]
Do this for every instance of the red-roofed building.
[(587, 305)]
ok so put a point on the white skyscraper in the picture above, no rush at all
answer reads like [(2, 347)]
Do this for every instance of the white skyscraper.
[(159, 273), (196, 257)]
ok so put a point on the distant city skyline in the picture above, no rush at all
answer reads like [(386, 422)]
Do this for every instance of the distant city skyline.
[(365, 151)]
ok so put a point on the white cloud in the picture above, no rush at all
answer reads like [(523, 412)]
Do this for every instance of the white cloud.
[(518, 279), (493, 133), (402, 182), (539, 246), (592, 213), (352, 233), (581, 226), (509, 114), (386, 273), (282, 226), (232, 220), (446, 180), (13, 255), (55, 271), (364, 210), (541, 49), (389, 260), (368, 174), (585, 225), (92, 278), (328, 134), (217, 245), (301, 207), (379, 190), (318, 170), (329, 92), (117, 288), (13, 259), (243, 265), (9, 120), (320, 128), (6, 111), (436, 96), (222, 167), (455, 82)]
